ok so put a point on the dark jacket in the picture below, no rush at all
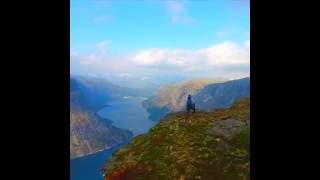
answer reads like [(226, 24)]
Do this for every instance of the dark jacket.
[(189, 102)]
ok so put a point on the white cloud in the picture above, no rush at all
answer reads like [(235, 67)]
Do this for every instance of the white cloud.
[(227, 53), (93, 75), (220, 55), (73, 55), (247, 44), (178, 12), (176, 7), (227, 59), (90, 59), (144, 78), (149, 57), (126, 75), (102, 46)]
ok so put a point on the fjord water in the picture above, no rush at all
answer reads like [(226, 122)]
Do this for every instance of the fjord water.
[(88, 167), (128, 114)]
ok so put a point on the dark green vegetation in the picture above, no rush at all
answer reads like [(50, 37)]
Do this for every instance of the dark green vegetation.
[(203, 145)]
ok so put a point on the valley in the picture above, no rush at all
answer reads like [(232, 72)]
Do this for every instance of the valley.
[(108, 122)]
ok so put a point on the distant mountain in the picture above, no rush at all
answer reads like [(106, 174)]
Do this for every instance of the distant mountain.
[(88, 132), (133, 81), (222, 95), (98, 91), (202, 145), (207, 95)]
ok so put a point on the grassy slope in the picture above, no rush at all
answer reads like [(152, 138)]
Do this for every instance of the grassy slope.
[(198, 146)]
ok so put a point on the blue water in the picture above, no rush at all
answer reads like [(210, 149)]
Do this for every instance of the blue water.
[(88, 167), (128, 114)]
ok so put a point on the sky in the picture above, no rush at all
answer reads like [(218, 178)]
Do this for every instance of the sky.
[(153, 38)]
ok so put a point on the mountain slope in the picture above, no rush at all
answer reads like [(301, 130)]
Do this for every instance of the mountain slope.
[(98, 91), (205, 94), (204, 145), (222, 95), (88, 132)]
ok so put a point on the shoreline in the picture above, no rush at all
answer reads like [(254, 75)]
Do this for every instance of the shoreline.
[(81, 156), (105, 149)]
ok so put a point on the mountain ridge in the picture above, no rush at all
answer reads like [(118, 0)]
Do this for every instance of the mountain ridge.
[(98, 91), (206, 95)]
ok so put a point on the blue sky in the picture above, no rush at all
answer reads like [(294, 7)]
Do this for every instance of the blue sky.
[(179, 34)]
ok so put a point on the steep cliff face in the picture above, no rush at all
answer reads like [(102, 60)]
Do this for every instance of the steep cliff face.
[(222, 95), (203, 145), (206, 95), (88, 132)]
